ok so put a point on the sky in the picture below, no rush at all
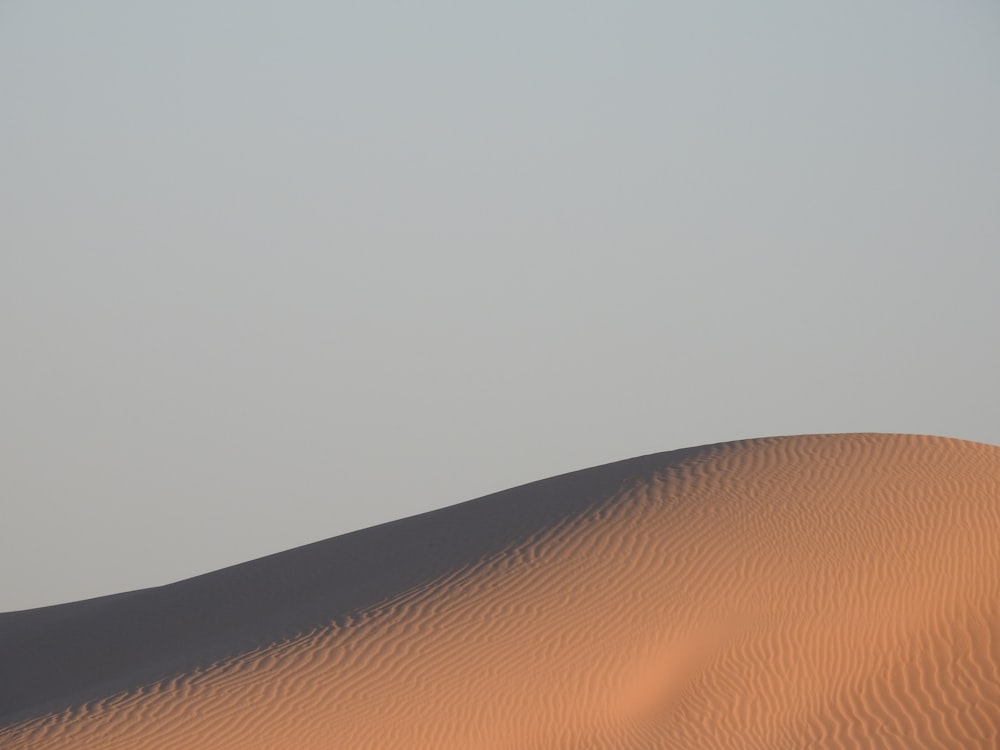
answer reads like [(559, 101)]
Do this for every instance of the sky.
[(272, 272)]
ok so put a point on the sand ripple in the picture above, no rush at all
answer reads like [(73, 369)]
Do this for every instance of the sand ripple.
[(822, 591)]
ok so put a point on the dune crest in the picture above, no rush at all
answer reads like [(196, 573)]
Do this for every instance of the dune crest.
[(836, 591)]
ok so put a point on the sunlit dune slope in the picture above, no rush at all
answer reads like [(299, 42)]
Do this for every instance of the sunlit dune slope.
[(834, 591)]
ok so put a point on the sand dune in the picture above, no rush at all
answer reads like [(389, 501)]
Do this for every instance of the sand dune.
[(834, 591)]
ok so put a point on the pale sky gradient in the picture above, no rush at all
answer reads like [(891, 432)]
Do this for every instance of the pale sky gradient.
[(270, 272)]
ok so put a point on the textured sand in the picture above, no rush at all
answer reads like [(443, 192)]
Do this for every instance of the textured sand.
[(826, 591)]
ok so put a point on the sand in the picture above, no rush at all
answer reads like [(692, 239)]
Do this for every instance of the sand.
[(837, 591)]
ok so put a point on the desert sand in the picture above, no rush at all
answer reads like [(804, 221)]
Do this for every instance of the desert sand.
[(837, 591)]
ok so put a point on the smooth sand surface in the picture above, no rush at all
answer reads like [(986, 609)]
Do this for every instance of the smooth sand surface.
[(837, 591)]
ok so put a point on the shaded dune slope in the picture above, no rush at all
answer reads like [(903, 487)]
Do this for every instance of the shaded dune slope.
[(835, 591)]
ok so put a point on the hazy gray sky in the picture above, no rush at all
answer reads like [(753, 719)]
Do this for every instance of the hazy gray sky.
[(271, 272)]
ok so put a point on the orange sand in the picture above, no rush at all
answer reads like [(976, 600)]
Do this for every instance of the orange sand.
[(824, 591)]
